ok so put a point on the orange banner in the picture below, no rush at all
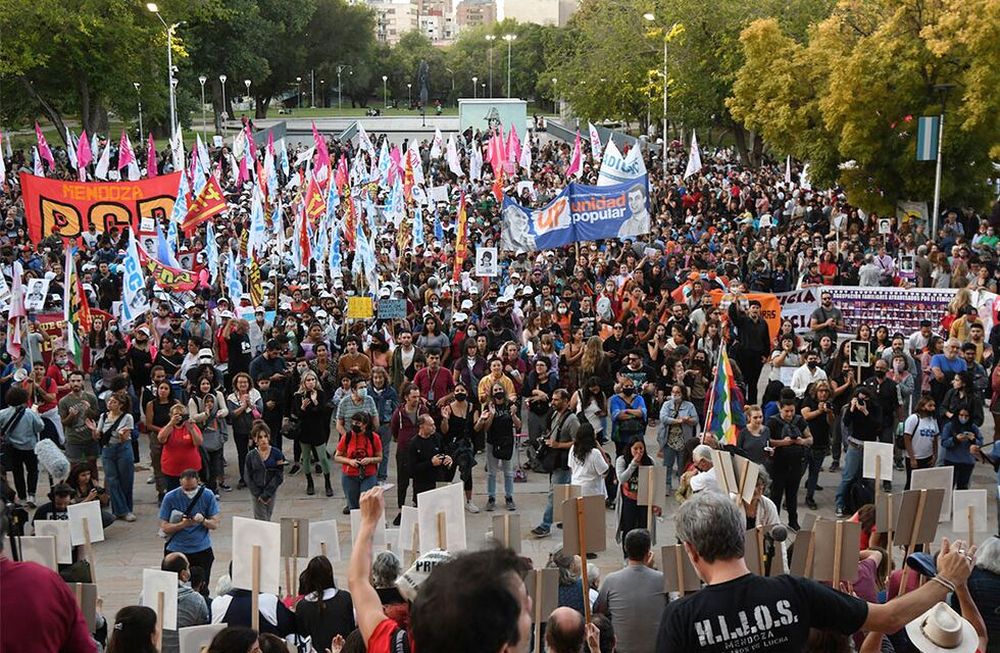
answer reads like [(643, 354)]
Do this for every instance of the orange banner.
[(68, 208)]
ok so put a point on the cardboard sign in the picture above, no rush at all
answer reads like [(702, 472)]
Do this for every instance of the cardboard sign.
[(35, 294), (969, 513), (441, 518), (78, 513), (487, 262), (324, 539), (294, 537), (880, 452), (86, 598), (884, 521), (679, 574), (543, 588), (40, 549), (722, 461), (507, 531), (248, 533), (652, 486), (859, 353), (360, 308), (918, 524), (935, 478), (409, 538), (837, 544), (58, 529), (392, 309), (747, 473), (155, 583), (560, 493), (196, 639), (804, 550), (590, 520)]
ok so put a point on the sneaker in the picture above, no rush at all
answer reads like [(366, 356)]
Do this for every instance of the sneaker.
[(225, 487), (471, 507), (510, 504), (811, 504), (130, 517), (491, 505), (31, 500), (900, 467), (150, 480), (296, 468), (834, 466), (540, 532), (841, 513)]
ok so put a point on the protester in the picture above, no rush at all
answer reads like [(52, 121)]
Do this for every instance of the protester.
[(19, 433), (181, 441), (678, 420), (134, 631), (75, 408), (191, 607), (244, 406), (627, 469), (265, 467), (359, 451), (85, 489), (633, 597), (188, 514), (499, 420), (458, 419), (325, 611), (309, 406)]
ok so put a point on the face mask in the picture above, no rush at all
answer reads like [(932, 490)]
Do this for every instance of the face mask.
[(880, 373), (812, 364), (899, 367), (498, 395), (363, 392), (628, 392), (562, 309), (61, 361), (302, 369), (963, 420), (548, 308), (460, 396), (190, 493), (357, 428)]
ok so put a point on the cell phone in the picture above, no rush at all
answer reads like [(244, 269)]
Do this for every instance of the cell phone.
[(183, 419)]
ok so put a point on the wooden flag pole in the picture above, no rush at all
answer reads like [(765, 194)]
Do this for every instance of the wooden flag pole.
[(913, 540), (810, 554), (581, 536), (159, 617), (88, 549), (255, 589), (838, 547), (889, 530), (538, 611)]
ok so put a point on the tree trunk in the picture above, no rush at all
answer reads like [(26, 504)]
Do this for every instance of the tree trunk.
[(758, 150), (740, 136), (50, 112)]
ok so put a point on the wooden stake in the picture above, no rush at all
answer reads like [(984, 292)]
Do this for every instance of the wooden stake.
[(78, 590), (680, 569), (159, 617), (649, 501), (88, 550), (442, 529), (810, 553), (294, 587), (538, 611), (889, 531), (759, 533), (913, 540), (581, 536), (878, 477), (288, 576), (838, 547), (322, 549), (255, 589), (972, 529)]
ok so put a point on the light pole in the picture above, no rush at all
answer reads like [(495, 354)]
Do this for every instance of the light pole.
[(322, 93), (650, 17), (409, 101), (385, 93), (298, 90), (225, 107), (452, 73), (490, 38), (340, 85), (510, 38), (312, 88), (475, 80), (942, 90), (555, 96), (201, 80), (151, 6), (139, 96), (246, 82)]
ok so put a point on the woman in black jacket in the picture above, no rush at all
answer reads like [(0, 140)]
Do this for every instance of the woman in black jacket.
[(310, 407), (324, 611)]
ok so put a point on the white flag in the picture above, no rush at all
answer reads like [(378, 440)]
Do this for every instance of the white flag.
[(525, 159), (436, 144), (596, 148), (3, 171), (617, 169), (101, 169), (177, 149), (788, 170), (134, 302), (7, 147), (206, 163), (71, 149), (454, 164), (417, 165), (364, 141), (694, 158), (36, 163), (476, 161)]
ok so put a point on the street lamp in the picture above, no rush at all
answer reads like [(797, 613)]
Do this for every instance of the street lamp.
[(474, 81), (322, 93), (510, 38), (340, 85), (151, 6), (201, 80), (385, 94), (942, 90), (490, 38), (555, 95), (298, 90), (139, 95), (452, 73), (246, 82), (225, 107), (650, 17), (409, 101)]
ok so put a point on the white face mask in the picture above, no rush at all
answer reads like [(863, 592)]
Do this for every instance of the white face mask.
[(190, 493)]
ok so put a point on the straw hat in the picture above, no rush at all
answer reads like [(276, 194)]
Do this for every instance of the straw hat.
[(942, 630)]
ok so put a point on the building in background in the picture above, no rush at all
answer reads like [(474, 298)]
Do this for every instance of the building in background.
[(393, 18), (540, 12), (439, 28), (473, 13)]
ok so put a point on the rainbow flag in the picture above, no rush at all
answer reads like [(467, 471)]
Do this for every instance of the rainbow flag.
[(725, 416)]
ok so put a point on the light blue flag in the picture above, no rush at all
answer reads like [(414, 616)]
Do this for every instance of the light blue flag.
[(928, 133), (134, 300), (438, 229), (164, 253), (257, 239), (284, 158), (199, 176), (233, 285), (418, 226), (383, 164), (172, 236), (180, 204), (211, 251), (334, 247)]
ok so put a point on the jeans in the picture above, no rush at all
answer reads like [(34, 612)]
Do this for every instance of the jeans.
[(84, 452), (815, 459), (558, 477), (354, 486), (173, 482), (119, 475), (262, 511), (850, 473), (493, 465), (383, 467), (922, 463), (672, 459), (21, 461)]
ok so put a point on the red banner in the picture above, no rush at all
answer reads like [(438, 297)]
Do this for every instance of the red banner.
[(68, 208), (209, 203), (166, 276)]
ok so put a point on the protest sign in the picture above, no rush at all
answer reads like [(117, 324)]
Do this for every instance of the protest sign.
[(441, 519), (679, 574), (324, 539), (797, 307), (391, 309), (86, 598), (159, 592), (85, 525), (836, 551), (256, 549), (935, 478), (507, 531), (378, 538), (578, 214), (36, 293), (771, 310), (877, 461), (360, 308), (901, 309), (617, 169), (196, 639), (59, 530), (68, 208), (40, 549), (487, 262)]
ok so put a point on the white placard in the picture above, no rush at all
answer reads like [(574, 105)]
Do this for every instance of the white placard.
[(882, 451), (438, 194), (194, 639), (407, 524), (91, 511), (36, 294), (378, 538), (155, 581), (324, 532), (40, 549), (487, 263), (267, 535), (962, 500), (59, 529), (934, 478), (449, 500)]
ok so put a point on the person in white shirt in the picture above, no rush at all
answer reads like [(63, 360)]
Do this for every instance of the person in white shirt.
[(919, 340), (807, 374), (705, 479), (587, 462)]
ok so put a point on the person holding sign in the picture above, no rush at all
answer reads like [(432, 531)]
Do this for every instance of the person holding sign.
[(738, 609), (960, 434), (627, 468)]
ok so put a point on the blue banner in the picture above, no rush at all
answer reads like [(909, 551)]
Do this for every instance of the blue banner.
[(578, 214)]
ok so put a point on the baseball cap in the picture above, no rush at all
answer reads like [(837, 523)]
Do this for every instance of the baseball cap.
[(466, 304), (205, 353), (459, 317)]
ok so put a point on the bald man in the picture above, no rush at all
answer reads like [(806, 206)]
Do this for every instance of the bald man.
[(564, 631), (191, 607)]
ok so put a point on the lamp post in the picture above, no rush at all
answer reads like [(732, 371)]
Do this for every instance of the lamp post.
[(151, 6), (298, 90), (943, 90), (385, 93), (475, 80), (139, 96), (510, 38), (312, 88), (201, 80), (555, 95), (225, 107), (409, 101), (322, 93), (246, 82), (490, 38), (452, 73), (650, 17), (340, 85)]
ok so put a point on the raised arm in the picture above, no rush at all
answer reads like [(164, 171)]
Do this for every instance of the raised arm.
[(367, 605)]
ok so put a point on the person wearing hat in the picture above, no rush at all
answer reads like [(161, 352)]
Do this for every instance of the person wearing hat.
[(942, 630)]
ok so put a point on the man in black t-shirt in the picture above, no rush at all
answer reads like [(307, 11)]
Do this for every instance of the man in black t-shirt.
[(790, 438), (739, 612)]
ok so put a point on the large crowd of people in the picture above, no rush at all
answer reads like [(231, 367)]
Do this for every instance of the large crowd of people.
[(604, 355)]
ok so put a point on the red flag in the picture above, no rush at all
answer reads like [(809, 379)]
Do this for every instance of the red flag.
[(461, 239), (151, 170), (43, 148), (322, 168), (343, 176), (304, 245), (315, 206), (209, 203)]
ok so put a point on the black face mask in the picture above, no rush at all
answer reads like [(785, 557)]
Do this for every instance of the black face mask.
[(460, 396), (880, 373), (628, 392), (812, 364), (499, 395)]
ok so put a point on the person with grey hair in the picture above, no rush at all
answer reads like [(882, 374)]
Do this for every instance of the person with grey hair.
[(737, 610), (704, 478), (386, 568)]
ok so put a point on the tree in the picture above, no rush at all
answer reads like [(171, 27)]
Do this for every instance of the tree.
[(847, 100), (342, 35)]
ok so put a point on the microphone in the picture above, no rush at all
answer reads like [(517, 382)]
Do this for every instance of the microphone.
[(777, 533)]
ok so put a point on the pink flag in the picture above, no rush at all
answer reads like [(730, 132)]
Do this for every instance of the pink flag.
[(575, 168), (84, 157), (16, 314), (322, 154), (151, 157), (125, 153), (395, 164), (244, 173), (251, 146), (270, 143), (513, 145), (43, 148)]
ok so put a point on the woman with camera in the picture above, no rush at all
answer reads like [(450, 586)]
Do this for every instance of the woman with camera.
[(181, 441), (360, 452), (264, 470), (208, 410), (85, 489)]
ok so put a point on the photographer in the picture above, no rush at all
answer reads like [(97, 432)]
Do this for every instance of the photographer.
[(181, 442), (187, 515), (862, 423), (82, 482), (360, 452)]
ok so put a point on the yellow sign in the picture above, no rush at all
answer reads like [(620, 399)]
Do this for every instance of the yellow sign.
[(360, 308)]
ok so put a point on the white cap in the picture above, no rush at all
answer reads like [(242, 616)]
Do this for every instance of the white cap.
[(466, 304), (460, 317), (205, 353)]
